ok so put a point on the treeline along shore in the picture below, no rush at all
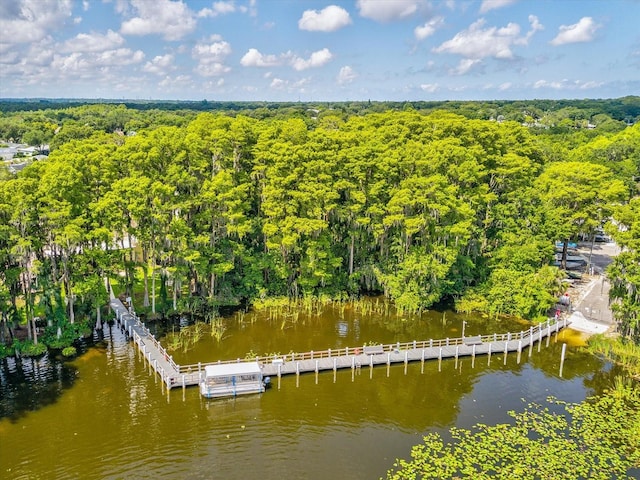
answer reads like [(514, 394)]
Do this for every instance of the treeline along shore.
[(188, 211)]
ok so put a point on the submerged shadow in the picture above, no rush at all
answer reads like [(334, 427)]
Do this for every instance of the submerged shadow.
[(28, 384)]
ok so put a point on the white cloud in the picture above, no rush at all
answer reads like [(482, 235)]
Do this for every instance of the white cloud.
[(43, 67), (174, 83), (566, 84), (160, 65), (211, 57), (219, 8), (465, 65), (535, 27), (388, 10), (583, 31), (90, 65), (545, 84), (504, 86), (29, 21), (430, 87), (423, 31), (171, 19), (591, 84), (477, 42), (329, 19), (317, 59), (93, 42), (286, 85), (346, 75), (488, 5), (121, 6), (213, 52), (278, 84), (253, 58), (41, 56), (252, 10), (214, 69), (118, 57)]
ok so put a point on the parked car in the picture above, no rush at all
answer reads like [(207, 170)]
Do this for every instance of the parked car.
[(601, 238)]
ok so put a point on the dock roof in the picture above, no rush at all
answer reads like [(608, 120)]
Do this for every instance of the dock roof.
[(226, 369)]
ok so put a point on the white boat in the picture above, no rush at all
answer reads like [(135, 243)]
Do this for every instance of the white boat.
[(232, 379)]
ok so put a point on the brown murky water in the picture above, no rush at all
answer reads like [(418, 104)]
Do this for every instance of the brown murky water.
[(103, 416)]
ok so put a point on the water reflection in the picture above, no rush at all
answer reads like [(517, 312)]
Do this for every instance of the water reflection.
[(115, 422), (27, 384)]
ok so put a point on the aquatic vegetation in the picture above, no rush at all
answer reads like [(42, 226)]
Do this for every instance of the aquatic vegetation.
[(186, 337), (217, 329), (69, 352), (621, 351), (29, 349), (596, 439)]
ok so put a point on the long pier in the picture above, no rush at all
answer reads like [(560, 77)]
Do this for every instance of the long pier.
[(173, 375)]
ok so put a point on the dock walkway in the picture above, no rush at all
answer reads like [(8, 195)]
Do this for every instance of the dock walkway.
[(173, 375)]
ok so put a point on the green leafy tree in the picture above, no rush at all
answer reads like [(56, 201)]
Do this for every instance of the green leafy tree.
[(624, 272), (576, 197)]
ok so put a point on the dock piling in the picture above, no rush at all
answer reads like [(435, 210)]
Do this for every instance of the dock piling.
[(160, 362)]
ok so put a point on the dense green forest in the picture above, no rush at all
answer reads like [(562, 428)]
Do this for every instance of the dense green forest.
[(420, 204)]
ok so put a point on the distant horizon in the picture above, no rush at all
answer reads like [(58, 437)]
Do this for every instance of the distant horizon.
[(319, 50), (211, 100)]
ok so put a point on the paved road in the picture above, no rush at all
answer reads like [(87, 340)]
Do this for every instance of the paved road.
[(592, 313)]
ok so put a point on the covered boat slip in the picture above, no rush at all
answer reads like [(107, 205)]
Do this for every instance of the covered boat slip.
[(231, 379)]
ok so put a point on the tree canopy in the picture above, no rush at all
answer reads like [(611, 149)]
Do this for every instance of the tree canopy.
[(224, 209)]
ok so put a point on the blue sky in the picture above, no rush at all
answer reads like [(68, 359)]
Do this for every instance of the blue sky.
[(290, 50)]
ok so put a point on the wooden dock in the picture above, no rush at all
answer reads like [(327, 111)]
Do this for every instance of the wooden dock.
[(173, 375)]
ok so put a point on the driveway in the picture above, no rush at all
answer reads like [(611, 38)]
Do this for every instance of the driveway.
[(591, 312)]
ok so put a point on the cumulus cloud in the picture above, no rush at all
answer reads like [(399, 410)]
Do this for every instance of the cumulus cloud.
[(535, 27), (286, 85), (423, 31), (317, 59), (171, 19), (329, 19), (430, 87), (160, 65), (388, 10), (93, 42), (211, 57), (88, 65), (253, 58), (488, 5), (175, 83), (213, 69), (212, 52), (28, 21), (218, 8), (278, 83), (583, 31), (566, 84), (118, 57), (465, 65), (346, 75), (477, 42)]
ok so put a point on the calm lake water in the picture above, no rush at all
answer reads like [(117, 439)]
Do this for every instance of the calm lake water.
[(103, 415)]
